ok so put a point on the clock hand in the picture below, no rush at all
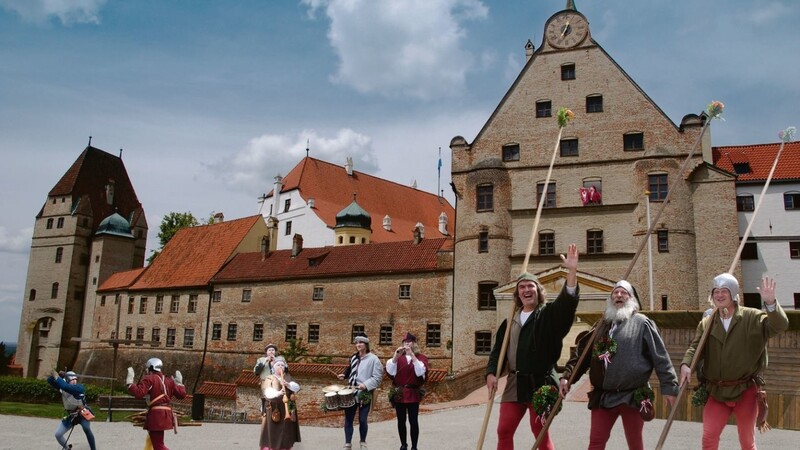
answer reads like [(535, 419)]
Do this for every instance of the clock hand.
[(564, 30)]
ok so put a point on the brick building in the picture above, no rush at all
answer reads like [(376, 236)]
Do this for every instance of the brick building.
[(622, 145), (91, 218)]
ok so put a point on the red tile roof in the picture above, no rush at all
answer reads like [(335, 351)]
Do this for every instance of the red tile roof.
[(195, 254), (248, 378), (332, 190), (760, 158), (86, 179), (389, 257), (218, 390), (120, 280)]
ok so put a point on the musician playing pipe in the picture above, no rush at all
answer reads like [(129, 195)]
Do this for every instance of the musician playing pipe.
[(279, 426)]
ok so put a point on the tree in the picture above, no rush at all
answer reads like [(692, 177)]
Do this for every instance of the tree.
[(170, 225), (4, 359)]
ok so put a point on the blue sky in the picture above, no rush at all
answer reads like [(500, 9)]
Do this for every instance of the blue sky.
[(210, 99)]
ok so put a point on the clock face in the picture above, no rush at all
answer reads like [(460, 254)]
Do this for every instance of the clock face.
[(567, 30)]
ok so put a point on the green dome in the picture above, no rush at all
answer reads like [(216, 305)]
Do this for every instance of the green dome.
[(353, 216), (115, 224)]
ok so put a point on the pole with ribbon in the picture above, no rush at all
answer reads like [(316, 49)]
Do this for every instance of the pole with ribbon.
[(563, 117), (713, 111)]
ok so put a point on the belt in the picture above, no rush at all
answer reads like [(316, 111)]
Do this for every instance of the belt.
[(161, 407), (729, 383)]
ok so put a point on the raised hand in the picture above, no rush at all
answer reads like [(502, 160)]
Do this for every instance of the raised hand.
[(767, 290), (129, 377)]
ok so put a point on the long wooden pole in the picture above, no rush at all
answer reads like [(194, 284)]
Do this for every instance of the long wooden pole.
[(789, 134), (507, 335), (650, 227)]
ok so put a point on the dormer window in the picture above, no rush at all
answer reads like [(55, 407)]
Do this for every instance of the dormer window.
[(742, 168)]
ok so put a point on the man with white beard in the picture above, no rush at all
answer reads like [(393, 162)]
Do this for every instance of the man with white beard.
[(625, 351)]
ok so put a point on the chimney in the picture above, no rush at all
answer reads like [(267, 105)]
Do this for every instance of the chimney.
[(276, 195), (348, 166), (264, 247), (387, 223), (219, 217), (297, 244), (419, 233), (443, 223)]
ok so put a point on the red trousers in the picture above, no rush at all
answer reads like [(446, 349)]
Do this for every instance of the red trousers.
[(511, 414), (603, 420), (157, 440), (716, 414)]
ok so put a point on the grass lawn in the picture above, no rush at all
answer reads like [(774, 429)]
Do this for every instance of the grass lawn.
[(49, 410)]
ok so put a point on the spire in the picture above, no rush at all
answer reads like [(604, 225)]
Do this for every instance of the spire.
[(90, 140), (571, 5), (307, 145)]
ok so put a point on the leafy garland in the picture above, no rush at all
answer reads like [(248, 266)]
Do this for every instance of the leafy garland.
[(700, 396), (563, 116), (543, 401), (395, 393), (604, 349), (643, 393), (364, 397)]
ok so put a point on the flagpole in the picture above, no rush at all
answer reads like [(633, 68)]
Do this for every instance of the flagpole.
[(649, 251)]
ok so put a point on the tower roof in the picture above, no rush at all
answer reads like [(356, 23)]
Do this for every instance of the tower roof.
[(353, 216), (115, 225)]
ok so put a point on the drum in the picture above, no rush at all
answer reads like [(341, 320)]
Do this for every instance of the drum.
[(331, 401), (332, 388), (347, 398)]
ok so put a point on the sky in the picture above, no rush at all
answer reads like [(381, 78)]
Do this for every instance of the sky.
[(210, 100)]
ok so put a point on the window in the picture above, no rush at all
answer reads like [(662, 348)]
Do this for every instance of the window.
[(232, 329), (745, 202), (486, 300), (544, 108), (547, 243), (287, 204), (131, 304), (658, 187), (32, 295), (794, 249), (550, 199), (50, 223), (175, 304), (188, 337), (291, 332), (216, 296), (750, 251), (797, 300), (568, 72), (246, 294), (79, 295), (319, 293), (258, 331), (663, 241), (143, 305), (59, 254), (139, 335), (511, 152), (103, 300), (313, 333), (791, 200), (356, 330), (752, 300), (433, 335), (592, 192), (483, 242), (288, 231), (352, 239), (60, 222), (128, 333), (664, 303), (569, 147), (483, 342), (216, 331), (633, 142), (405, 291), (54, 290), (159, 304), (386, 335), (485, 197), (155, 335), (594, 242), (594, 103), (192, 307)]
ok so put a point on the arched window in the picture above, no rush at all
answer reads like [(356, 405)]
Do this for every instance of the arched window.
[(59, 254), (54, 291), (32, 295)]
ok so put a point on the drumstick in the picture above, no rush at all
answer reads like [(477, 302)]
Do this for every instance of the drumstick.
[(332, 372)]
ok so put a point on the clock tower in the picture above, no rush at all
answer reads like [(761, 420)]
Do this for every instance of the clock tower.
[(566, 29)]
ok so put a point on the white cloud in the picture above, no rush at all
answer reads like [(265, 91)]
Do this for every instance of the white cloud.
[(15, 243), (409, 48), (265, 156), (67, 11)]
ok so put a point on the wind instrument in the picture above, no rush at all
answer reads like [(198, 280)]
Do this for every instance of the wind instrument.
[(285, 399)]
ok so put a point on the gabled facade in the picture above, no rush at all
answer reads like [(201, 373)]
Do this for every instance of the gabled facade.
[(773, 247), (622, 145), (315, 191), (69, 233)]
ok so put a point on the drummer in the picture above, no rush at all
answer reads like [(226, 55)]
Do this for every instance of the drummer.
[(364, 374)]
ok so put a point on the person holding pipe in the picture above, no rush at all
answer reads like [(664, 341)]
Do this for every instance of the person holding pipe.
[(537, 331), (734, 356)]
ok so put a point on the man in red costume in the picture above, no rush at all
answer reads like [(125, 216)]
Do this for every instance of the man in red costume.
[(159, 392), (407, 368)]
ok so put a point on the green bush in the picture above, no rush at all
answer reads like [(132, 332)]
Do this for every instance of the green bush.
[(32, 390)]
